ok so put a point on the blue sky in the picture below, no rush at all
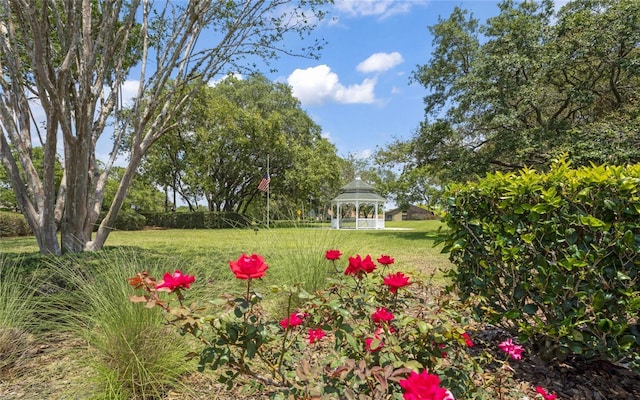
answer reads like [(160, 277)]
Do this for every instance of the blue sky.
[(359, 91)]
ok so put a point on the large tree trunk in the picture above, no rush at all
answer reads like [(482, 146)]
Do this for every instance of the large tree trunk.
[(76, 222)]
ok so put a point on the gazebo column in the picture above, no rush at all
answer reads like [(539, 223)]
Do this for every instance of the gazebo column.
[(357, 213), (375, 217)]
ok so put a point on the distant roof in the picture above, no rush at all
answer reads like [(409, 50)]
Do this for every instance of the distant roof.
[(359, 190)]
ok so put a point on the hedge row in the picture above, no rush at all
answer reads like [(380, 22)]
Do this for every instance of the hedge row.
[(552, 256), (197, 220), (126, 220), (13, 224)]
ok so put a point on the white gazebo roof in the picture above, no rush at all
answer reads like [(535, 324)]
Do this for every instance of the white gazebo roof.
[(358, 190)]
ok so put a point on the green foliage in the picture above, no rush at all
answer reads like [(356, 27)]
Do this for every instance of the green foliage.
[(143, 195), (127, 220), (554, 256), (197, 220), (13, 224), (529, 84), (217, 153)]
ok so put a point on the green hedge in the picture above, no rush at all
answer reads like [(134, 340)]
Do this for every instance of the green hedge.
[(197, 220), (552, 256), (127, 220), (13, 224)]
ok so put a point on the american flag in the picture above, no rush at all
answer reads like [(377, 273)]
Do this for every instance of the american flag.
[(264, 183)]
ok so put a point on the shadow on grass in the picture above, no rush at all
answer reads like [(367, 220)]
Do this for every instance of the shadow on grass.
[(409, 234)]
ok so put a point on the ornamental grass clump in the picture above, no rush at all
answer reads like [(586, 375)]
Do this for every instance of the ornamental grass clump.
[(369, 333), (18, 305), (131, 352)]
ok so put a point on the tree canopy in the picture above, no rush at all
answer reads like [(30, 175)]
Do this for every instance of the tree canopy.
[(71, 59), (527, 85), (220, 150)]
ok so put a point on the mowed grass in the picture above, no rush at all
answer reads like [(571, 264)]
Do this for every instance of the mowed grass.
[(209, 251)]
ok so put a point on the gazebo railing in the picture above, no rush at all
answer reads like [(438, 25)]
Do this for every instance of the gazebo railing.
[(359, 223)]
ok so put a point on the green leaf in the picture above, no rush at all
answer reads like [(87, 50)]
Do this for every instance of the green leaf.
[(355, 345), (528, 237), (530, 309), (512, 314), (622, 276), (251, 348), (413, 365), (605, 325), (577, 336), (592, 222), (627, 340), (629, 238)]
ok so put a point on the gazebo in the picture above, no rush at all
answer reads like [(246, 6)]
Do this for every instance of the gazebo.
[(357, 207)]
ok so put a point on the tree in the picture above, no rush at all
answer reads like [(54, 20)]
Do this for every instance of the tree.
[(529, 85), (143, 195), (233, 130), (8, 196), (401, 181), (75, 56)]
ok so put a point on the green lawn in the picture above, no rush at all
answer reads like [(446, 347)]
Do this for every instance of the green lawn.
[(209, 251), (91, 290)]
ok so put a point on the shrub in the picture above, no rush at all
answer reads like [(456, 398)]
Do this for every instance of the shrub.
[(357, 338), (126, 220), (197, 220), (13, 224), (554, 256)]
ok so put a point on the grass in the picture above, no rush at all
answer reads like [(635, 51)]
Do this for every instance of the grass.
[(131, 352), (18, 306), (125, 350)]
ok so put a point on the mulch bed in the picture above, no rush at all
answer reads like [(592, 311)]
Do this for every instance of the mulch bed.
[(579, 379)]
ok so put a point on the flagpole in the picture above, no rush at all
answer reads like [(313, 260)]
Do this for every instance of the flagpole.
[(268, 190)]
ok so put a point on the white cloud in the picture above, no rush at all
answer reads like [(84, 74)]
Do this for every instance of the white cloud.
[(363, 154), (380, 8), (129, 92), (380, 62), (318, 85), (214, 82)]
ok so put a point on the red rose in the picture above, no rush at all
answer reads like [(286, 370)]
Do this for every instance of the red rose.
[(249, 267), (546, 396), (175, 281), (373, 344), (333, 255), (294, 319), (382, 315), (396, 281), (385, 260), (467, 339), (423, 386), (358, 266), (315, 335)]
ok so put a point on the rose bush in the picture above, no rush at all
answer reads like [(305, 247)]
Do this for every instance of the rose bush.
[(364, 336)]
